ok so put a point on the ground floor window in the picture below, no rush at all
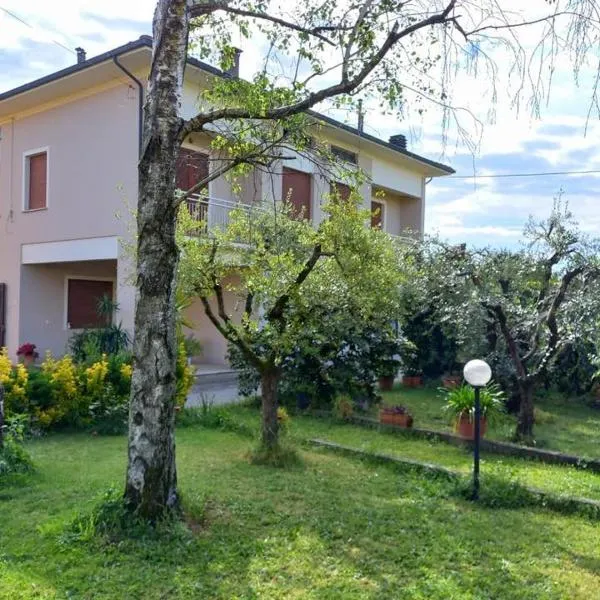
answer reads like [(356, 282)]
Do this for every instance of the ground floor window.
[(83, 298)]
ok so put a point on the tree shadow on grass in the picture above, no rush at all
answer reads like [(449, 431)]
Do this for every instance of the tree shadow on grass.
[(337, 529)]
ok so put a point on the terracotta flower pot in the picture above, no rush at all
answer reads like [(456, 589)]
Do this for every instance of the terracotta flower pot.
[(466, 428), (451, 381), (387, 417), (412, 381), (28, 360), (386, 383)]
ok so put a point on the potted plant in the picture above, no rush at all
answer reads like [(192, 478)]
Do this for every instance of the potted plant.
[(387, 374), (27, 353), (412, 377), (395, 415), (460, 404)]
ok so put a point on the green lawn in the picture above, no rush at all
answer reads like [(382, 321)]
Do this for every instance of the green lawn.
[(568, 425), (552, 478), (338, 528)]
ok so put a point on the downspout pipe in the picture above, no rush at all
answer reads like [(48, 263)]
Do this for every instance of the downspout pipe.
[(140, 100)]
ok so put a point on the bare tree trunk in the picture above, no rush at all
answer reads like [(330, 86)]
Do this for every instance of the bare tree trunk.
[(269, 383), (151, 485), (526, 418)]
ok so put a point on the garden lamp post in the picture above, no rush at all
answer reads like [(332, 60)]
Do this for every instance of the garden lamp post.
[(478, 374)]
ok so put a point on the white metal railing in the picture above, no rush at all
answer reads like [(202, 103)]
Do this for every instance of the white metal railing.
[(215, 212)]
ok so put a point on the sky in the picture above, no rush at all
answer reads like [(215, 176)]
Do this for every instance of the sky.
[(480, 210)]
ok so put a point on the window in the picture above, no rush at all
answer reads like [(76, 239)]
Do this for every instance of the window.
[(83, 296), (296, 190), (377, 214), (340, 190), (36, 180), (345, 155), (192, 167)]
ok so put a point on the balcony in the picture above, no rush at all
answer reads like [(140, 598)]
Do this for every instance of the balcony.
[(216, 212)]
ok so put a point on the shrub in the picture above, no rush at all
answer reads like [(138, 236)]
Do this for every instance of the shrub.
[(343, 407), (13, 456), (185, 376)]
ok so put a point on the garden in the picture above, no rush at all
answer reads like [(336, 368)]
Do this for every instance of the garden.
[(350, 474)]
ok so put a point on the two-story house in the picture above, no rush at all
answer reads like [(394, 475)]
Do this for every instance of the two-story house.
[(69, 146)]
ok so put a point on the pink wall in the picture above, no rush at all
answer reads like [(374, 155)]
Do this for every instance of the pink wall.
[(92, 155)]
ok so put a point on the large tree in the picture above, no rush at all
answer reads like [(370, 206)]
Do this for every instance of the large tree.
[(314, 51)]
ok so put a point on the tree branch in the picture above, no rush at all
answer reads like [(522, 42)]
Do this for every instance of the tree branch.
[(343, 87), (276, 312), (201, 9)]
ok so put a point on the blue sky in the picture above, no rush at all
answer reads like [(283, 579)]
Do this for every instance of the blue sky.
[(478, 210)]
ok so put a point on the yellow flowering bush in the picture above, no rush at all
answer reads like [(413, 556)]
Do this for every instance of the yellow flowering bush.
[(95, 378), (185, 377), (67, 405), (14, 379), (5, 366)]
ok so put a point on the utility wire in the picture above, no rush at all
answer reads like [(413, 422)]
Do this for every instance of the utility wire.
[(544, 174), (21, 20)]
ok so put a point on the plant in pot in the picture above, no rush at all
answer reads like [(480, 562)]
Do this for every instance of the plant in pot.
[(460, 405), (412, 374), (387, 371), (395, 415), (27, 352)]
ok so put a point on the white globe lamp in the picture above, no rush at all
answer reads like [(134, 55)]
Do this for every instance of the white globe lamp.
[(478, 373)]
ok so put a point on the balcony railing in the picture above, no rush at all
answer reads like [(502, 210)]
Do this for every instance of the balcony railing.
[(215, 212)]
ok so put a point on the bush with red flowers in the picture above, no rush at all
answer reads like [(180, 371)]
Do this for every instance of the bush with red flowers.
[(27, 349)]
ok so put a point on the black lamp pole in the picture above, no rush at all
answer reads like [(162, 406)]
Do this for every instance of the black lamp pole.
[(476, 444)]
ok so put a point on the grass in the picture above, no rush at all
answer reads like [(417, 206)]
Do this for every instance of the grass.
[(566, 425), (556, 479), (338, 528)]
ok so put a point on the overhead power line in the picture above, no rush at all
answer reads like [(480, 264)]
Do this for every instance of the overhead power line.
[(27, 24), (543, 174)]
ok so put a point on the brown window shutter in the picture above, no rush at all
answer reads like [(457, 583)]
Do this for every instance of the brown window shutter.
[(341, 189), (296, 190), (377, 209), (37, 180), (192, 167), (83, 296)]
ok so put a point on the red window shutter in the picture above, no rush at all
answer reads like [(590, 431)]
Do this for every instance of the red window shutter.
[(341, 189), (83, 296), (192, 167), (37, 181), (296, 190), (377, 209)]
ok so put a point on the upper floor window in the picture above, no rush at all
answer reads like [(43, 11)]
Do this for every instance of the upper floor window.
[(377, 214), (340, 191), (296, 188), (192, 167), (36, 180), (345, 155)]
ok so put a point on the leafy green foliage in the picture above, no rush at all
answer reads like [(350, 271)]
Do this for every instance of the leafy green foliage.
[(461, 401), (14, 458)]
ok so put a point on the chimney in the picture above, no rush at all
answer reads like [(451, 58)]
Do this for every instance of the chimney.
[(234, 71), (80, 55), (398, 140)]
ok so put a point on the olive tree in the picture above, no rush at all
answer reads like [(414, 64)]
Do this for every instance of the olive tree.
[(289, 277)]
